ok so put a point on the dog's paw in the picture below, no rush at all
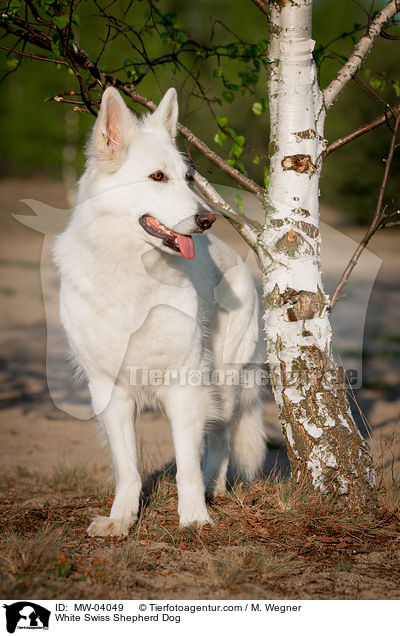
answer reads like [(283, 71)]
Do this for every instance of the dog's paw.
[(108, 527), (196, 520), (217, 492)]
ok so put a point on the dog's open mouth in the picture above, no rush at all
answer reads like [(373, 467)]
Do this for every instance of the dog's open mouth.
[(179, 242)]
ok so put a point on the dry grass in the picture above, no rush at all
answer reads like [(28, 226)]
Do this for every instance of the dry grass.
[(270, 540)]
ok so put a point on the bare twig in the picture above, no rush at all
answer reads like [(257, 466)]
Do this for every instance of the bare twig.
[(16, 26), (105, 42), (85, 94), (371, 8), (34, 57), (389, 36), (378, 221), (375, 123), (65, 100), (369, 90), (392, 219), (361, 50)]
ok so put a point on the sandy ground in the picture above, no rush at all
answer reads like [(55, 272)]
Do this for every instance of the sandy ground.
[(38, 435)]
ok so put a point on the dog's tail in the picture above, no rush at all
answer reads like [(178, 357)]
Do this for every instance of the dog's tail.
[(248, 439)]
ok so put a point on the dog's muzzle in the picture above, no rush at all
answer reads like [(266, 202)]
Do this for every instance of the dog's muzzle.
[(182, 243), (205, 220)]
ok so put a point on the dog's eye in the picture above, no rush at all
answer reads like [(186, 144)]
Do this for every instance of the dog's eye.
[(158, 176), (189, 176)]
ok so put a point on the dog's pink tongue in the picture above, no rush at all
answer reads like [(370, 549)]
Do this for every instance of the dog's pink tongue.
[(186, 246)]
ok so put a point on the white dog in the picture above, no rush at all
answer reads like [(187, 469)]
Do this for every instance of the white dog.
[(145, 295)]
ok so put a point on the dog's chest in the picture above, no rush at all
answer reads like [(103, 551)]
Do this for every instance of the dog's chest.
[(143, 303), (151, 318)]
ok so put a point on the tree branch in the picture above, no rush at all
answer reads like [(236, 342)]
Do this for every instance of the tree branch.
[(81, 58), (377, 222), (242, 225), (78, 56), (262, 5), (360, 52), (375, 123)]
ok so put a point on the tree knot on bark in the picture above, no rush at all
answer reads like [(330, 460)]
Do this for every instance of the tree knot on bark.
[(302, 164), (290, 243), (301, 305)]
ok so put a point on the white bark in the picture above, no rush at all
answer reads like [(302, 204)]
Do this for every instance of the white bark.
[(322, 439)]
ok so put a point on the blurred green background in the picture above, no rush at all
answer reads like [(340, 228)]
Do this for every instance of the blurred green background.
[(44, 138)]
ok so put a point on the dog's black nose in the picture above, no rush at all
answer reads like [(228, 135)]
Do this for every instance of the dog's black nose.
[(205, 220)]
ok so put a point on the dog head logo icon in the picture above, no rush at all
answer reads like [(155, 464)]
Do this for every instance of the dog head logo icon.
[(26, 615)]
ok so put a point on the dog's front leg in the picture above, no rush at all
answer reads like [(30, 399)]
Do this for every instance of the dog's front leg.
[(118, 423), (184, 407)]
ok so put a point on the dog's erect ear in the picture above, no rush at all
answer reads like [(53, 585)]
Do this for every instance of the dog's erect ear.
[(166, 114), (113, 129)]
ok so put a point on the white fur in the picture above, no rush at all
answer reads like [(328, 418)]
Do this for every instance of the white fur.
[(129, 301)]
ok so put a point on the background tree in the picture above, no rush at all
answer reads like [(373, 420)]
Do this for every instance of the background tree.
[(322, 439)]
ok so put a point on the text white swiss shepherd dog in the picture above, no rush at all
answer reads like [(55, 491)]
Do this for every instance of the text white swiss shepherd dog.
[(144, 287)]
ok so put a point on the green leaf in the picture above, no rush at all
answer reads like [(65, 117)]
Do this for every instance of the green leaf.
[(236, 149), (257, 159), (260, 107), (238, 139), (218, 71), (12, 63), (377, 84), (228, 96), (396, 87), (220, 137), (61, 21), (13, 7), (56, 46), (181, 37), (231, 162), (239, 203), (221, 121), (266, 177), (232, 50), (75, 19)]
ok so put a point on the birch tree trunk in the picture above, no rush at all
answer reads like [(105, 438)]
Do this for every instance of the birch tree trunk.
[(323, 441)]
